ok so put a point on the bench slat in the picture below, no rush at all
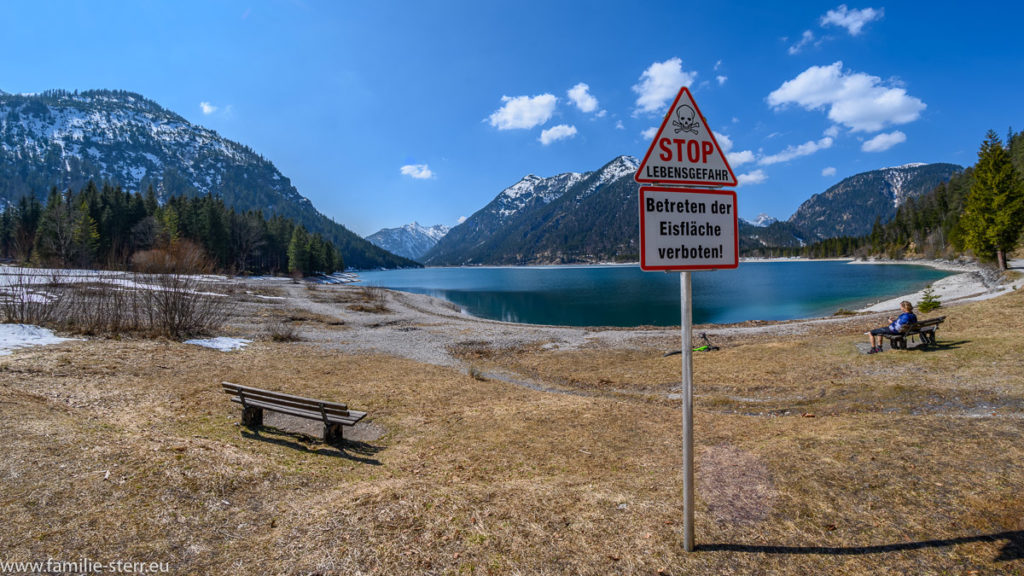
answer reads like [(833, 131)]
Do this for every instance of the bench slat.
[(915, 327), (350, 419), (270, 395), (250, 398)]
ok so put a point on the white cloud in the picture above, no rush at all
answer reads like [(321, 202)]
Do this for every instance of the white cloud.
[(830, 171), (856, 100), (207, 108), (555, 133), (523, 112), (721, 79), (852, 20), (724, 142), (650, 133), (718, 65), (740, 158), (619, 125), (659, 84), (755, 177), (791, 152), (884, 141), (581, 97), (805, 39), (417, 171), (734, 158), (461, 219)]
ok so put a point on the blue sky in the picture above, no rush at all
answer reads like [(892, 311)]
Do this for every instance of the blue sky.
[(387, 112)]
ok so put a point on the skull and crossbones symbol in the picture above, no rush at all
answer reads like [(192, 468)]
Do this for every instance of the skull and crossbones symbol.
[(686, 122)]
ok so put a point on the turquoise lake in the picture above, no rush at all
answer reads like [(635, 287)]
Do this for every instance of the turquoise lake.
[(628, 296)]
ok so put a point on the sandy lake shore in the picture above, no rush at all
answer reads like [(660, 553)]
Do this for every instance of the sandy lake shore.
[(971, 283)]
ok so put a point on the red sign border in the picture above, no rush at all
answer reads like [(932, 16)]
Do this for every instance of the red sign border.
[(643, 238), (654, 141)]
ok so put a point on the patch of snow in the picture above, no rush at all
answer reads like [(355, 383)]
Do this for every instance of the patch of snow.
[(762, 221), (222, 343), (152, 158), (14, 336)]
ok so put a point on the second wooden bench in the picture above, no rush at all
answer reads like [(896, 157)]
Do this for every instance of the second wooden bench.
[(925, 329)]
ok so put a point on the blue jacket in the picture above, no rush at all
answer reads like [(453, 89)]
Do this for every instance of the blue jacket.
[(903, 320)]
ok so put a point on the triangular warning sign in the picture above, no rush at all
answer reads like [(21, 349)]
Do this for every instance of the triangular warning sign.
[(685, 151)]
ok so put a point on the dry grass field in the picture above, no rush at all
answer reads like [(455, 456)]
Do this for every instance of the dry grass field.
[(812, 458)]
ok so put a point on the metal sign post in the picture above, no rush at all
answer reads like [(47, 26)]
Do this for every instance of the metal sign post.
[(685, 301)]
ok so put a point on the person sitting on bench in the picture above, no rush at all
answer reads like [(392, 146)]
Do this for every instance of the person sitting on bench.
[(895, 326)]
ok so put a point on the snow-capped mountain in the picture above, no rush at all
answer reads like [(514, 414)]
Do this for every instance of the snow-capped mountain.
[(762, 221), (410, 241), (65, 139), (851, 207), (529, 190), (571, 217), (123, 137)]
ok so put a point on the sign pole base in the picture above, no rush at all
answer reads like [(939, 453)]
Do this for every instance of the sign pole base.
[(685, 301)]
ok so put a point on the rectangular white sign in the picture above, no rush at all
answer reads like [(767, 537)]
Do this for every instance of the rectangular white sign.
[(684, 229)]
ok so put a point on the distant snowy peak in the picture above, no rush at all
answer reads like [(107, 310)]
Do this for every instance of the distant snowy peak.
[(908, 165), (532, 189), (435, 232), (762, 221), (621, 167), (898, 177), (411, 240)]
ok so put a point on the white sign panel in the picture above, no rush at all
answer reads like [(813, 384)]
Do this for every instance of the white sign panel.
[(683, 229)]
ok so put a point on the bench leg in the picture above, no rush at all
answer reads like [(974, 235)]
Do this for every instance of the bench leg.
[(333, 433), (252, 417)]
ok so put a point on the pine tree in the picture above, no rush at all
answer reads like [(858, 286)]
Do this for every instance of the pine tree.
[(6, 233), (85, 235), (298, 252), (994, 215), (26, 223), (54, 241), (928, 301)]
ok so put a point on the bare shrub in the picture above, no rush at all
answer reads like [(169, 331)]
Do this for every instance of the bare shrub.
[(282, 332), (180, 308), (372, 299), (95, 308), (173, 302), (23, 301), (172, 305), (181, 257)]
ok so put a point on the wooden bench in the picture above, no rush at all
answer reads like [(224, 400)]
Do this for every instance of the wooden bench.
[(925, 329), (255, 400)]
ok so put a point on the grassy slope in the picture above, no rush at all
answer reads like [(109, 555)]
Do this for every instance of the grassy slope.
[(910, 463)]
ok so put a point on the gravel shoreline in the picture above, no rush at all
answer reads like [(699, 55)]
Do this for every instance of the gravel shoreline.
[(432, 331)]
